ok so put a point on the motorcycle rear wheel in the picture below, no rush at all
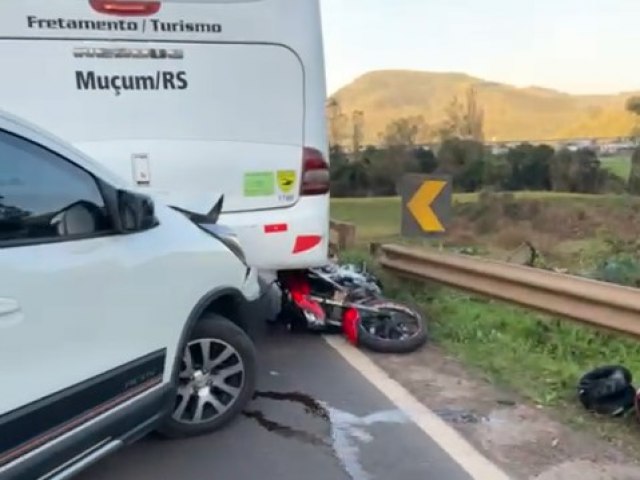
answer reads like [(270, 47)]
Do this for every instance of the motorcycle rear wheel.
[(396, 328)]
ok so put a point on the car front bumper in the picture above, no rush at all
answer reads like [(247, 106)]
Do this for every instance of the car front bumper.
[(262, 303)]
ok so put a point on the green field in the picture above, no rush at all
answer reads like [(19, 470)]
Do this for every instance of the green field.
[(619, 165), (376, 218)]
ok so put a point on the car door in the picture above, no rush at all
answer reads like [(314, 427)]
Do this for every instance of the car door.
[(74, 338)]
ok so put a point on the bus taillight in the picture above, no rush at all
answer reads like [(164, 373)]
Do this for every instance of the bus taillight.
[(315, 173), (125, 8)]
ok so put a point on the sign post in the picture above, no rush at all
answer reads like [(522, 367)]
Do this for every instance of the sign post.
[(426, 205)]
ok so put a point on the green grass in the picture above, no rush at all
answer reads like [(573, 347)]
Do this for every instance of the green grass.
[(542, 358), (619, 165), (376, 218), (473, 197)]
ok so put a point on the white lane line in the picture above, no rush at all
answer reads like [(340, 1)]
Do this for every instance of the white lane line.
[(459, 449)]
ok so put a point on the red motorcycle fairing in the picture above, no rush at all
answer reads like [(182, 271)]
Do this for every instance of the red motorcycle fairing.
[(298, 286), (350, 321)]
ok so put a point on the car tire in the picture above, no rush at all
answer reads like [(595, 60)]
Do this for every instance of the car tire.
[(210, 393)]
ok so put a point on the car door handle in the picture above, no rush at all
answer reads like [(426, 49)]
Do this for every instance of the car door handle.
[(8, 306)]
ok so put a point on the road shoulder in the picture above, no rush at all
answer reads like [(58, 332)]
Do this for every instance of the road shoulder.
[(522, 438)]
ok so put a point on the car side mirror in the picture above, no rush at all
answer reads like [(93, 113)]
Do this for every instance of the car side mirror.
[(136, 212), (79, 218)]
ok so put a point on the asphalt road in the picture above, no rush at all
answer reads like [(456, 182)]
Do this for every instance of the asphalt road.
[(315, 418)]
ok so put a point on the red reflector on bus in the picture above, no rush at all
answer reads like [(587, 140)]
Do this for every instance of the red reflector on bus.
[(276, 228), (125, 8), (306, 242)]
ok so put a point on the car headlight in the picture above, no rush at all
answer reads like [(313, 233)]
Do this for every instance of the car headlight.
[(229, 238)]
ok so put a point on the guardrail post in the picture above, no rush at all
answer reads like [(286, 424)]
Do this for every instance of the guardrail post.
[(346, 234)]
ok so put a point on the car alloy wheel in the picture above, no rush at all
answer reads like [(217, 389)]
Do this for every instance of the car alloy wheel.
[(212, 376)]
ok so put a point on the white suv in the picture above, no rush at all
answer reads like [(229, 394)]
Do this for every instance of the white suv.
[(117, 316)]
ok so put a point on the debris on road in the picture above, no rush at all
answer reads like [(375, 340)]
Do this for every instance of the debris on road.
[(607, 390), (459, 415)]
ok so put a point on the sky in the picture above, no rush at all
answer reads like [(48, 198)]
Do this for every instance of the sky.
[(576, 46)]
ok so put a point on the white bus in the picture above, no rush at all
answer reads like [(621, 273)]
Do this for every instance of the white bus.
[(187, 100)]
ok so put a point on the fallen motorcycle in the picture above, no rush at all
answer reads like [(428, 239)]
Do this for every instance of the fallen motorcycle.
[(350, 299)]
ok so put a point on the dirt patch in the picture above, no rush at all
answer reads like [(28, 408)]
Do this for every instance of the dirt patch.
[(525, 439), (585, 470)]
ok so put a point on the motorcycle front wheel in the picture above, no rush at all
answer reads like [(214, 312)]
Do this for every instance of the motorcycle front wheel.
[(394, 328)]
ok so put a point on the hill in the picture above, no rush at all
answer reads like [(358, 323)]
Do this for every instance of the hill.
[(511, 113)]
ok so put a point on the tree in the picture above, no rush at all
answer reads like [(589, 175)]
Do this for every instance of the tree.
[(464, 160), (451, 126), (385, 173), (633, 105), (357, 133), (560, 171), (338, 157), (348, 178), (530, 167), (578, 172), (497, 173), (585, 172), (337, 122), (398, 140), (426, 160), (403, 132), (473, 126), (465, 121), (633, 185)]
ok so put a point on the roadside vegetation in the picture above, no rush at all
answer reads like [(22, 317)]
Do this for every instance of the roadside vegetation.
[(584, 234), (538, 356), (577, 207)]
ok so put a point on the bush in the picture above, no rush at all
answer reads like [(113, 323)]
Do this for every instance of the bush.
[(464, 160), (377, 171), (529, 167), (623, 269), (634, 176), (577, 172), (426, 160), (497, 173), (612, 183), (559, 171)]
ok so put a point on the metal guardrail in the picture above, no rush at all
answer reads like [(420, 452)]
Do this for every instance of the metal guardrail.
[(599, 304)]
